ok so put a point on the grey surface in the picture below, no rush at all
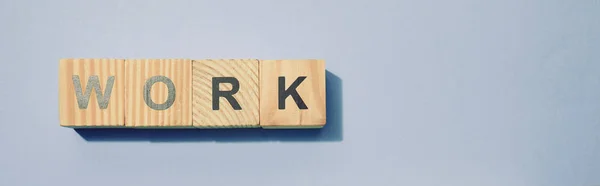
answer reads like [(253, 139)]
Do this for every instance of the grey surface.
[(424, 92)]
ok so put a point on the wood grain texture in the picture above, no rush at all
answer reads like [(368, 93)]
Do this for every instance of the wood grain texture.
[(311, 90), (246, 72), (91, 114), (138, 113)]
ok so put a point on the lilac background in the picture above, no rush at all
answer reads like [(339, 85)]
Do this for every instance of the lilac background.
[(427, 92)]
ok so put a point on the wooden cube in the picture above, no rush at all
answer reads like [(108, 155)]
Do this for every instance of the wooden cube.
[(225, 93), (292, 93), (92, 92), (158, 93)]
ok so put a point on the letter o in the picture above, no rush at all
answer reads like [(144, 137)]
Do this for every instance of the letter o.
[(171, 93)]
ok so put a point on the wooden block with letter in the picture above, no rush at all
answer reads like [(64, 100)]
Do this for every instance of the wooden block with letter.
[(225, 93), (292, 94), (91, 92), (158, 93)]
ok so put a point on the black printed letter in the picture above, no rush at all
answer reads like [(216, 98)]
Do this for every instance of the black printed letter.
[(291, 91), (216, 93)]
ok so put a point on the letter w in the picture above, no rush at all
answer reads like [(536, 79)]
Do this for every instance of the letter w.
[(93, 82)]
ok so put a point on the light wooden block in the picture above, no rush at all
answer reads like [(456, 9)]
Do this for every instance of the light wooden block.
[(92, 92), (241, 108), (168, 100), (311, 90)]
